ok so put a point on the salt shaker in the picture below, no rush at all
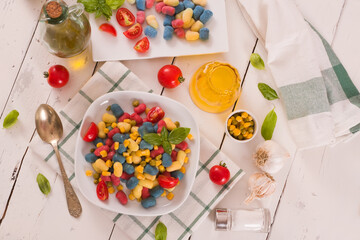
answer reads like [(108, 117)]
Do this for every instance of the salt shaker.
[(255, 220)]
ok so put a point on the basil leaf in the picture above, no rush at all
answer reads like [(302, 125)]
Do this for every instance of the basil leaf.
[(178, 135), (268, 126), (153, 138), (267, 91), (10, 119), (106, 10), (43, 183), (164, 134), (160, 231), (167, 147), (115, 4), (257, 61)]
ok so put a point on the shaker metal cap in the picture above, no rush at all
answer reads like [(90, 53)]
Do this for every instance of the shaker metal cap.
[(222, 221)]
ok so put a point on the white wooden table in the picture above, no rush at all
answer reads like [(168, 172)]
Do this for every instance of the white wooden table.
[(318, 193)]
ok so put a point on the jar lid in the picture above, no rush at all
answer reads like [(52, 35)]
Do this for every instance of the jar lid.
[(53, 9), (222, 221)]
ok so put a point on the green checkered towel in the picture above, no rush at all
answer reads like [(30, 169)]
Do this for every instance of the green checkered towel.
[(113, 76), (321, 101)]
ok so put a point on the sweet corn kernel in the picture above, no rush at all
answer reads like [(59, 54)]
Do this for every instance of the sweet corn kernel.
[(133, 136), (161, 168), (244, 114), (114, 125), (232, 127), (129, 159), (122, 130), (116, 145), (139, 169), (158, 163), (152, 163), (147, 110), (138, 140), (183, 169), (148, 159), (103, 153), (120, 187), (111, 190), (89, 173), (186, 160), (108, 163), (127, 120), (190, 136), (229, 122), (163, 194), (170, 196), (156, 147), (106, 174), (140, 176), (249, 135), (188, 150), (158, 157), (247, 124), (106, 130), (126, 154), (236, 132), (100, 144), (131, 196), (238, 118), (126, 143)]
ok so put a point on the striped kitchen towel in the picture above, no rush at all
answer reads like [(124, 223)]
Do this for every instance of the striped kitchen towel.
[(321, 101), (114, 76)]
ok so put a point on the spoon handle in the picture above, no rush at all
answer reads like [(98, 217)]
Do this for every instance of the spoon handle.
[(72, 200)]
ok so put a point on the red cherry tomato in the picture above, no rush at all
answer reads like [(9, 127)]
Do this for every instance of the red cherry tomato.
[(102, 191), (167, 182), (107, 27), (133, 32), (91, 133), (170, 76), (155, 114), (142, 45), (57, 76), (219, 174), (124, 17)]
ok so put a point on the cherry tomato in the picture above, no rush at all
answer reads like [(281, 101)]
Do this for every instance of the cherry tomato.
[(219, 174), (57, 76), (107, 27), (91, 133), (155, 114), (167, 182), (124, 17), (102, 191), (142, 45), (134, 32), (170, 76)]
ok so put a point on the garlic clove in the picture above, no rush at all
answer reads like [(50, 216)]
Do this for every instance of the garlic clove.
[(261, 185), (270, 156)]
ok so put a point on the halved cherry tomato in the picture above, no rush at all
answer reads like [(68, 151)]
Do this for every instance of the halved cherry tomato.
[(133, 32), (167, 182), (142, 45), (155, 114), (91, 133), (124, 17), (107, 27), (219, 174), (102, 191)]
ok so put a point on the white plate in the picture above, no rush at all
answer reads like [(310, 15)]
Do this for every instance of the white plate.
[(176, 112), (105, 47)]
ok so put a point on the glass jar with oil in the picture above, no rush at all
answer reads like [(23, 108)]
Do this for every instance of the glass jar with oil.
[(215, 86)]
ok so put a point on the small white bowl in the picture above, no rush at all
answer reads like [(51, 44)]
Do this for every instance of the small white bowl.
[(255, 126), (177, 112)]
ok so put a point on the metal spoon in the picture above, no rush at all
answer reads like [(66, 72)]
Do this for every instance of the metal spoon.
[(50, 130)]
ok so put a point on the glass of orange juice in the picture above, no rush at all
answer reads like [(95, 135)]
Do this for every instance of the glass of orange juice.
[(215, 86)]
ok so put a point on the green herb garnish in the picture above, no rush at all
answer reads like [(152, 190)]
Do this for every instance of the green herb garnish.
[(257, 61), (10, 119), (43, 183), (101, 7), (268, 126), (267, 91), (160, 231)]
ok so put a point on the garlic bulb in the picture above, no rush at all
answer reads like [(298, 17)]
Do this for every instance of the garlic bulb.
[(270, 156), (260, 185)]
